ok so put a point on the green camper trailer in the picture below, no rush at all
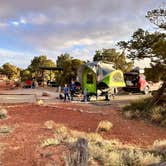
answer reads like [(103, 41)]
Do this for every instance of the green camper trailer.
[(99, 76)]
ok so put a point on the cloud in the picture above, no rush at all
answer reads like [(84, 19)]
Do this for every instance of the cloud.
[(60, 26), (14, 57), (3, 25)]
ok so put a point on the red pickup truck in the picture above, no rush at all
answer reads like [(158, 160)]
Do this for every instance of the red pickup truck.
[(136, 82)]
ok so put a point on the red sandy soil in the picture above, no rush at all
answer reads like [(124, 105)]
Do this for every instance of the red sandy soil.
[(22, 146)]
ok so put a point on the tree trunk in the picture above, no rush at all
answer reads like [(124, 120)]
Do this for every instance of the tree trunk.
[(78, 154)]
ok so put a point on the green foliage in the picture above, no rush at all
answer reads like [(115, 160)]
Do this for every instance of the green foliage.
[(157, 17), (147, 45), (111, 55), (150, 45), (11, 71), (25, 75), (70, 67), (140, 109), (37, 72)]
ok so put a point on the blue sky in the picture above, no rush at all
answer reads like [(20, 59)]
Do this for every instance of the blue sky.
[(79, 27)]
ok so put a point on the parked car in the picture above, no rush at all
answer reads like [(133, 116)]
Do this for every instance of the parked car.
[(136, 82)]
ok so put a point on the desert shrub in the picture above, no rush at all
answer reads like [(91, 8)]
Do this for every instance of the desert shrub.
[(61, 129), (156, 114), (50, 124), (69, 140), (159, 148), (3, 113), (107, 152), (104, 126), (78, 154), (49, 142), (135, 110), (94, 137), (142, 109), (163, 123), (115, 159), (137, 105), (159, 145), (5, 129), (137, 158), (76, 134), (40, 102), (98, 153)]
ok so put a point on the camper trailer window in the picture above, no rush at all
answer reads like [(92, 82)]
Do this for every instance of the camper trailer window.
[(90, 78)]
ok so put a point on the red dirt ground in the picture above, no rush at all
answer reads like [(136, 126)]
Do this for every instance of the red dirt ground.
[(22, 145)]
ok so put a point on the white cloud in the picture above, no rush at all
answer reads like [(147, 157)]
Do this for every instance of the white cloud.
[(15, 23), (17, 58), (3, 25), (23, 20), (56, 27), (37, 19)]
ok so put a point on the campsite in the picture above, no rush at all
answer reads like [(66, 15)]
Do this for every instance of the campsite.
[(29, 125), (82, 83)]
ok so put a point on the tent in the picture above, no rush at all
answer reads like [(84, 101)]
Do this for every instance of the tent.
[(99, 75)]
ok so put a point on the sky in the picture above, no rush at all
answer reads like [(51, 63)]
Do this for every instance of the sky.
[(78, 27)]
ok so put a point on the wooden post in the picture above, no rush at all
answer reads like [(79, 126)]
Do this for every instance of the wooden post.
[(78, 155)]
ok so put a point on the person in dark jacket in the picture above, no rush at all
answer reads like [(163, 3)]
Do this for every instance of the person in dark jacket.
[(66, 92), (72, 89)]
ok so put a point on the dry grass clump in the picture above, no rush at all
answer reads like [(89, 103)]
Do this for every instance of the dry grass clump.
[(142, 109), (156, 114), (3, 113), (5, 129), (106, 152), (50, 124), (58, 128), (61, 129), (124, 157), (159, 145), (94, 137), (40, 102), (104, 126), (49, 142), (137, 158)]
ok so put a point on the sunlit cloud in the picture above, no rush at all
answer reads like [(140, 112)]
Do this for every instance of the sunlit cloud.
[(15, 23), (77, 26)]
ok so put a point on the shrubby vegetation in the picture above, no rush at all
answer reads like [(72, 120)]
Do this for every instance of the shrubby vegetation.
[(3, 113), (106, 152), (144, 109)]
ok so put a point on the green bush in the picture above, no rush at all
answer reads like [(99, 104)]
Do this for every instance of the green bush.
[(3, 113), (156, 114), (142, 109)]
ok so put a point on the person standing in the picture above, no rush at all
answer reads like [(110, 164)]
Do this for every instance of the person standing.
[(72, 89), (66, 92)]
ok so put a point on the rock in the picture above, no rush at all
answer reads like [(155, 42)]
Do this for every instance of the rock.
[(46, 94)]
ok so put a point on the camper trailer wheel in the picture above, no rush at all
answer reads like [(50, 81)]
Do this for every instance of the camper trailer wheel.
[(146, 90)]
